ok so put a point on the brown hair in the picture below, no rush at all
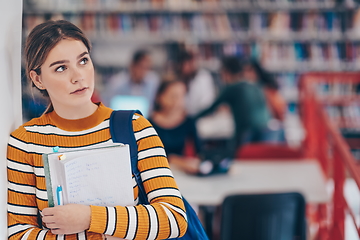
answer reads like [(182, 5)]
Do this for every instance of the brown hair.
[(43, 38)]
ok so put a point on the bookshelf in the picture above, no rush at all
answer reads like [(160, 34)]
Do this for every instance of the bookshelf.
[(339, 93), (290, 37)]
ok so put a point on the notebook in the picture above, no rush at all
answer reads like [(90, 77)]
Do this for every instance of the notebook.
[(97, 176)]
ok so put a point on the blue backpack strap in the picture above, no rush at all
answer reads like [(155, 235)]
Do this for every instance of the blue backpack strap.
[(122, 131)]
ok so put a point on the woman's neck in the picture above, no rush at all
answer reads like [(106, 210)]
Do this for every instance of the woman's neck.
[(74, 113)]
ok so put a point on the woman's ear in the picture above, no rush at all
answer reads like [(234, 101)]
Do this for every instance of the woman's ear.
[(36, 79)]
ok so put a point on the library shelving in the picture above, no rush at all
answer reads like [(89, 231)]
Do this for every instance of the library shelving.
[(339, 94), (290, 37)]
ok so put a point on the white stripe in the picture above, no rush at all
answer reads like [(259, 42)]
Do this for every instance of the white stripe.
[(21, 188), (135, 117), (42, 234), (151, 152), (54, 130), (156, 172), (111, 221), (173, 225), (154, 224), (26, 235), (44, 149), (18, 228), (20, 167), (60, 237), (22, 210), (81, 236), (178, 210), (42, 194), (39, 171), (144, 133), (18, 144), (163, 192), (132, 223)]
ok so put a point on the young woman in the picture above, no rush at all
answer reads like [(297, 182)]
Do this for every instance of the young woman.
[(58, 63), (170, 119), (254, 72)]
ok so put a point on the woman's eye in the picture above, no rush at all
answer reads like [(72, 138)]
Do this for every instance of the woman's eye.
[(60, 69), (84, 61)]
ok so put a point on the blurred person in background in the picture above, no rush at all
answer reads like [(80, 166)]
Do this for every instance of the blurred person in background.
[(138, 80), (200, 85), (176, 130), (254, 72), (247, 103)]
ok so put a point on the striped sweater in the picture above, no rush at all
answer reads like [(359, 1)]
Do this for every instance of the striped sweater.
[(165, 216)]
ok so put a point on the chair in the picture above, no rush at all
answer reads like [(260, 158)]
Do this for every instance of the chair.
[(279, 216), (265, 151)]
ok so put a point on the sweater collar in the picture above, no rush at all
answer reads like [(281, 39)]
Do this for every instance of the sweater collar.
[(91, 121)]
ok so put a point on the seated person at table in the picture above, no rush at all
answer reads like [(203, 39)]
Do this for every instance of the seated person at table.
[(174, 127), (253, 71), (200, 86), (246, 101), (139, 84)]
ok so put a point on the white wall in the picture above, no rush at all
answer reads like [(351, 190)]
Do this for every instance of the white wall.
[(10, 90)]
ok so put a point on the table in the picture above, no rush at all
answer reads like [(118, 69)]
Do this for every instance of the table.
[(249, 177)]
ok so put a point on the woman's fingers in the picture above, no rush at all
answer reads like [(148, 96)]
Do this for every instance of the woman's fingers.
[(49, 219), (47, 212), (67, 219)]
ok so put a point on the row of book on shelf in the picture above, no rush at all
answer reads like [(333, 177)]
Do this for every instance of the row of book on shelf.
[(345, 117), (337, 90), (295, 56), (188, 4), (276, 24), (341, 101)]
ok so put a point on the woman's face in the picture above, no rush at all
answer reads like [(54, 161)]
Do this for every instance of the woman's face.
[(173, 97), (67, 74)]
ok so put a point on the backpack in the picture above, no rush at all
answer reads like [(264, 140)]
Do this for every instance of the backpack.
[(121, 130)]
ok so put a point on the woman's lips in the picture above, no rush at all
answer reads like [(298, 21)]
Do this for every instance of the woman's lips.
[(79, 91)]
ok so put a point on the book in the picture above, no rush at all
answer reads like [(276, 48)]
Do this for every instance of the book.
[(97, 176)]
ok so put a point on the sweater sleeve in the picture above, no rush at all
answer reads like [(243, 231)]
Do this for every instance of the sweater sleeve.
[(23, 220), (165, 216), (222, 98)]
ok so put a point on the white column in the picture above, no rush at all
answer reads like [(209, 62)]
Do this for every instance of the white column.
[(10, 90)]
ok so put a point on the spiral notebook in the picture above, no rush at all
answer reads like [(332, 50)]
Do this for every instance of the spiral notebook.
[(97, 176)]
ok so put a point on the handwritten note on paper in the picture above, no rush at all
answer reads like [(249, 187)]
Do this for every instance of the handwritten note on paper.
[(102, 179)]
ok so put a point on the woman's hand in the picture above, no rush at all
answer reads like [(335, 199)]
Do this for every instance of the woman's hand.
[(67, 219)]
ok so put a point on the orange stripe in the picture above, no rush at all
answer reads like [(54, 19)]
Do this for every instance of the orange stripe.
[(70, 141), (122, 223), (164, 224), (98, 216), (143, 227), (21, 199), (153, 162), (160, 182), (21, 178)]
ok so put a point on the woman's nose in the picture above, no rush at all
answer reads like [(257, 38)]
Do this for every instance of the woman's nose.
[(76, 75)]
